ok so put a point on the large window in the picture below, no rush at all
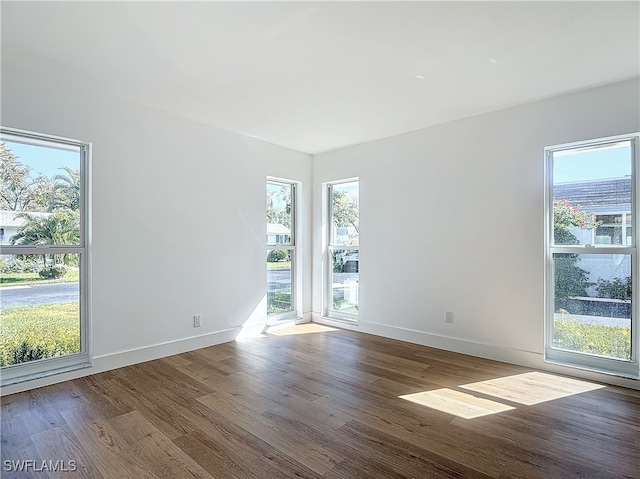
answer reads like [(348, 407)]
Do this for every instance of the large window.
[(591, 281), (281, 250), (43, 258), (343, 251)]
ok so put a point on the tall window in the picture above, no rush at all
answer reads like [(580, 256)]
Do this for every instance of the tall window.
[(43, 259), (591, 280), (281, 250), (342, 289)]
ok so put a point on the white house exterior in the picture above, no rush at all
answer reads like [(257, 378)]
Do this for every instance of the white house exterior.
[(10, 223), (278, 234)]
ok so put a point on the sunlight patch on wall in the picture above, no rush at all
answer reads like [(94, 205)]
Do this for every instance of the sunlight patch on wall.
[(457, 403), (531, 388), (256, 323)]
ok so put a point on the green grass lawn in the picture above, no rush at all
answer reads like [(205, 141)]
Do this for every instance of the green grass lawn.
[(610, 341), (12, 279), (279, 265), (53, 327)]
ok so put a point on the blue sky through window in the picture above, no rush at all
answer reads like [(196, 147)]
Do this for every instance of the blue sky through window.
[(44, 160), (610, 161)]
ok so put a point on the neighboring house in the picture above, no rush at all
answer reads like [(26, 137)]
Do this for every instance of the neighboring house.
[(9, 223), (610, 201), (278, 234)]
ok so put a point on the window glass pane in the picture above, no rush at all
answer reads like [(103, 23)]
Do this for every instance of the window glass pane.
[(279, 213), (344, 280), (609, 229), (279, 276), (39, 194), (39, 297), (592, 310), (591, 193), (345, 214)]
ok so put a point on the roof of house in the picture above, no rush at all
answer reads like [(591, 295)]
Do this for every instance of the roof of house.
[(277, 229), (596, 195), (9, 219)]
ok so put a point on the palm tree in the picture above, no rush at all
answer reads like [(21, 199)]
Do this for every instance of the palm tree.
[(59, 228), (67, 190)]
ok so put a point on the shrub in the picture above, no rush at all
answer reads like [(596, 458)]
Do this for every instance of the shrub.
[(53, 272), (616, 289), (570, 279), (16, 265), (278, 302), (612, 341), (277, 255), (26, 352)]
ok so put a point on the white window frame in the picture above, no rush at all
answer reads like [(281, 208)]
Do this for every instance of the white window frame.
[(292, 248), (618, 367), (22, 372), (328, 310)]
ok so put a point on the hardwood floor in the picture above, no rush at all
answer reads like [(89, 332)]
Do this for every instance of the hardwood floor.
[(328, 404)]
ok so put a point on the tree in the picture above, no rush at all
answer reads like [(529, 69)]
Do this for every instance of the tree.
[(279, 205), (570, 279), (66, 190), (346, 210), (20, 190), (58, 228)]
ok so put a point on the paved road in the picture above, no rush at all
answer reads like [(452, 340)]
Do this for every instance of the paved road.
[(278, 279), (38, 294)]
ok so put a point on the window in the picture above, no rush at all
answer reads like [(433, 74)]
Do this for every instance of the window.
[(44, 256), (343, 251), (613, 229), (591, 264), (281, 250)]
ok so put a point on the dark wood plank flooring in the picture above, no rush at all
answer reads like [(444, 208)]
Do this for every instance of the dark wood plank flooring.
[(325, 403)]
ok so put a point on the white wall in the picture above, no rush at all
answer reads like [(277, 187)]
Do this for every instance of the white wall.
[(179, 223), (451, 218)]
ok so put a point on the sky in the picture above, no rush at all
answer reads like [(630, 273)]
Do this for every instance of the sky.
[(573, 165), (44, 160), (592, 164)]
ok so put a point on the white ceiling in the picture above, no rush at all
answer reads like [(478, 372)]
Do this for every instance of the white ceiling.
[(324, 75)]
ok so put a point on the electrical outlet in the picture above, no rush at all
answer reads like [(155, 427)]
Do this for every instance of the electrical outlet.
[(448, 316), (197, 321)]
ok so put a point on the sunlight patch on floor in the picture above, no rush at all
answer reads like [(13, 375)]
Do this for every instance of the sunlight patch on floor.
[(531, 388), (306, 328), (457, 403)]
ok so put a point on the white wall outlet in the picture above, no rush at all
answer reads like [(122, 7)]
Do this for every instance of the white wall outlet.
[(448, 316), (197, 320)]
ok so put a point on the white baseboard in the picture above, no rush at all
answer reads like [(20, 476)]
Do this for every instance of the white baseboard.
[(494, 352), (483, 350), (127, 358)]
